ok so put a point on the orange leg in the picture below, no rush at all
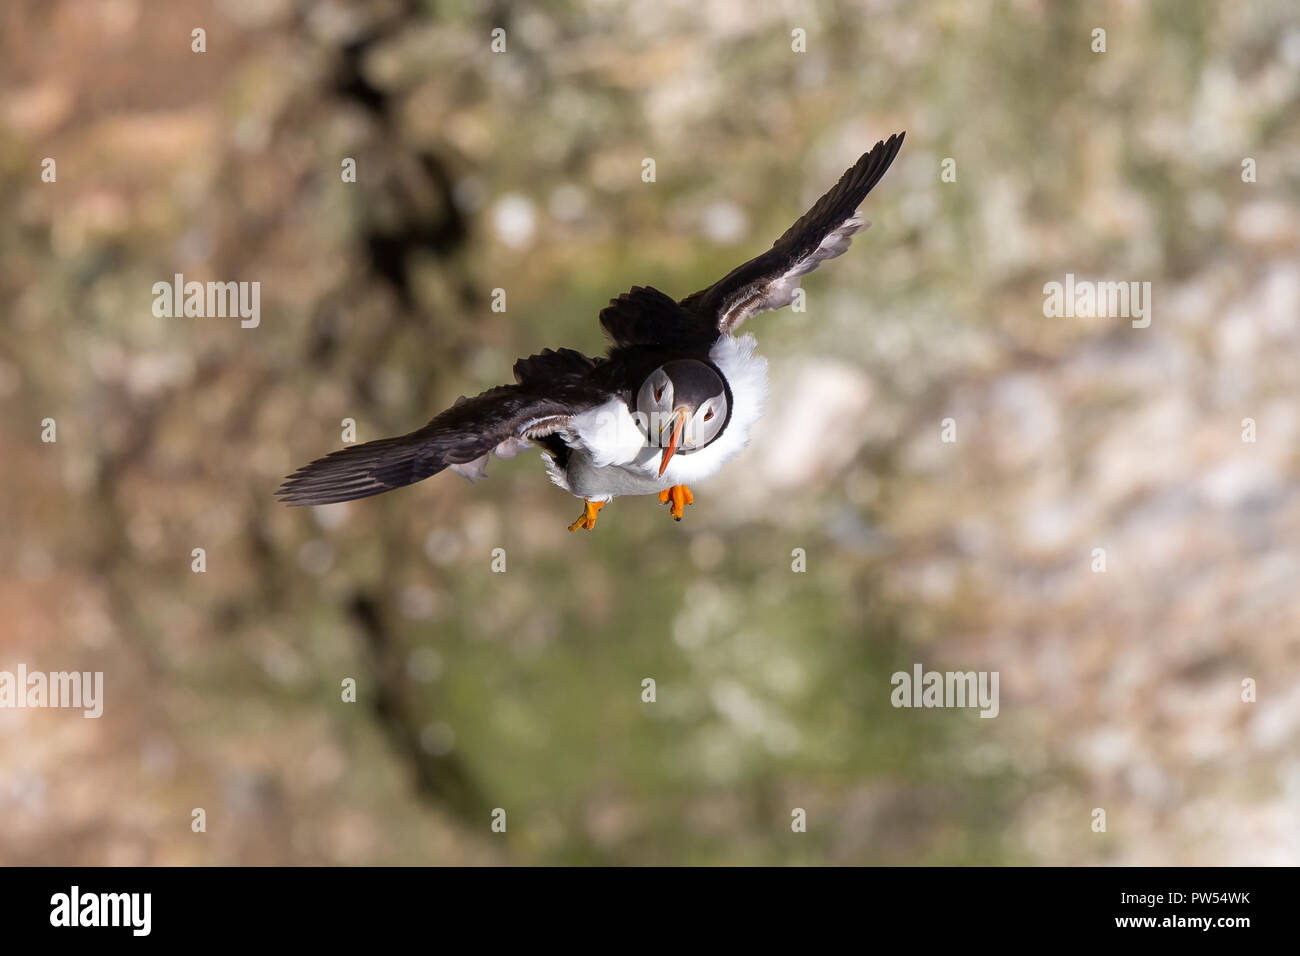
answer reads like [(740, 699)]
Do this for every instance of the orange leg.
[(680, 496), (588, 517)]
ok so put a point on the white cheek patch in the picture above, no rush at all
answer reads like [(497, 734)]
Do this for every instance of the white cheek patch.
[(701, 430), (655, 395), (645, 398)]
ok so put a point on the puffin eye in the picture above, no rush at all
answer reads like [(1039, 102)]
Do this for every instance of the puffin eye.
[(708, 415), (659, 393)]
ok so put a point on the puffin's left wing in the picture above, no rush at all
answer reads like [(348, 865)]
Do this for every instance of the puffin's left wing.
[(553, 388), (768, 281), (646, 316)]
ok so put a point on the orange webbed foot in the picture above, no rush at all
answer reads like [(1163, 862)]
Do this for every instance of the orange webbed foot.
[(680, 496), (587, 519)]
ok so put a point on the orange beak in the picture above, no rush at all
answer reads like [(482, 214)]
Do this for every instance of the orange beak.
[(672, 442)]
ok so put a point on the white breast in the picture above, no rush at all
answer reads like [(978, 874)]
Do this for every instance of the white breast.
[(610, 455)]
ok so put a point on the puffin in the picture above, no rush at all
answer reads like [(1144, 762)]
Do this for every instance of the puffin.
[(674, 399)]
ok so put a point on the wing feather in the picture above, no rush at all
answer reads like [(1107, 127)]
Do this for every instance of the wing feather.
[(646, 316), (553, 387), (769, 281)]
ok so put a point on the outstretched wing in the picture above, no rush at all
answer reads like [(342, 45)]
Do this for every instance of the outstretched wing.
[(645, 316), (768, 281), (553, 387)]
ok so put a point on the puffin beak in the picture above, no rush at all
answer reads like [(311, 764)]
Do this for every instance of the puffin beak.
[(680, 415)]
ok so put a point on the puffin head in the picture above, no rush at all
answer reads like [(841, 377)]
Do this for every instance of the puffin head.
[(684, 405)]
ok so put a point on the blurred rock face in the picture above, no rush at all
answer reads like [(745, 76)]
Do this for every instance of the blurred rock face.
[(1105, 515)]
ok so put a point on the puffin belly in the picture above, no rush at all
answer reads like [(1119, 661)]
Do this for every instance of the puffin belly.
[(587, 480)]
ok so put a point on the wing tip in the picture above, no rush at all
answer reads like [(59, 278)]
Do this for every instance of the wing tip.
[(292, 497), (894, 140), (295, 495), (306, 497), (342, 475), (883, 152)]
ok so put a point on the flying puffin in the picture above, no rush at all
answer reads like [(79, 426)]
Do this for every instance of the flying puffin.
[(673, 400)]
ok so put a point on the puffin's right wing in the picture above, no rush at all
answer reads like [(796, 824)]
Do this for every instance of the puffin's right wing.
[(769, 281), (553, 386)]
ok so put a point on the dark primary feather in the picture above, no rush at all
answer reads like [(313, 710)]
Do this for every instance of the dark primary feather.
[(645, 316), (555, 368), (768, 281), (552, 387)]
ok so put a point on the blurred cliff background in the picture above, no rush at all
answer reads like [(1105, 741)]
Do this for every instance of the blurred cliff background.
[(522, 690)]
